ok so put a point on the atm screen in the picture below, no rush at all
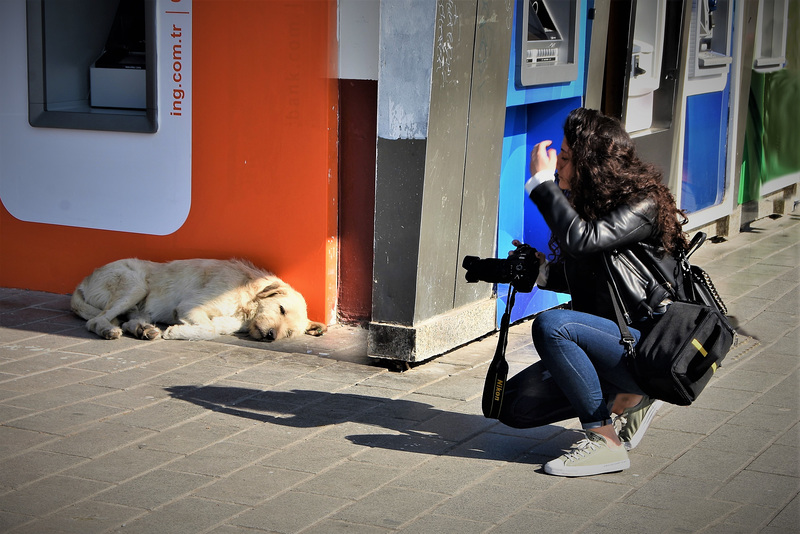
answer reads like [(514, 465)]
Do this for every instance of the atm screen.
[(540, 24)]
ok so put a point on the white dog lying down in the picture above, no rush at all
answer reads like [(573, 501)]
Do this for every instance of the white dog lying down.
[(200, 298)]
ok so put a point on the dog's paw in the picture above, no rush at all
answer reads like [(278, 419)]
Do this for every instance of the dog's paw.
[(112, 333), (148, 331), (173, 332), (316, 329), (103, 328)]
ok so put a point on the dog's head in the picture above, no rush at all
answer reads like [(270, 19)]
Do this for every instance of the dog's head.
[(281, 313)]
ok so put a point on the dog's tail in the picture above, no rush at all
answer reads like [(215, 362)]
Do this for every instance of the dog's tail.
[(81, 307)]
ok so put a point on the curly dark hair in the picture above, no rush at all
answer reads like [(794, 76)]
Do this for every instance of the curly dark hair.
[(608, 173)]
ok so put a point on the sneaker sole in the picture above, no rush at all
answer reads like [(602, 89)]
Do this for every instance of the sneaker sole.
[(588, 470), (648, 418)]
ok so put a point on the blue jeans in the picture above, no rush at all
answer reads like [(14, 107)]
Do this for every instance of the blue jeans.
[(584, 354)]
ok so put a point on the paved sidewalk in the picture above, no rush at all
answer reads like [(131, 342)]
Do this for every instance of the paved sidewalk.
[(234, 436)]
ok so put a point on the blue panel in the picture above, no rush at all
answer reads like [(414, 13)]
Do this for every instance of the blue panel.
[(532, 115), (518, 217), (704, 150)]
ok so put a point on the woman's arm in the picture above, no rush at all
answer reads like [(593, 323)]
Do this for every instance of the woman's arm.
[(625, 225)]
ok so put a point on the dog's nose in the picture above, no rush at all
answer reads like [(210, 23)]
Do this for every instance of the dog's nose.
[(270, 335)]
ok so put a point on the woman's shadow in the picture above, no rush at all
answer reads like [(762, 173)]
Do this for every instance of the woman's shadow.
[(405, 425)]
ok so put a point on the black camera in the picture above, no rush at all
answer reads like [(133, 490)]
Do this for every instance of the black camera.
[(520, 270)]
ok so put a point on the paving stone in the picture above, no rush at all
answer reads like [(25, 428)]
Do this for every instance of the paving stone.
[(668, 492), (458, 387), (350, 480), (755, 381), (12, 413), (86, 517), (50, 379), (312, 455), (32, 465), (187, 516), (61, 396), (220, 459), (746, 518), (153, 489), (738, 439), (778, 459), (162, 415), (784, 395), (15, 441), (122, 464), (98, 439), (450, 475), (791, 437), (787, 518), (787, 344), (693, 419), (486, 502), (717, 396), (67, 420), (273, 435), (400, 450), (446, 525), (280, 514), (10, 520), (766, 416), (232, 529), (189, 437), (627, 517), (389, 507), (488, 446), (452, 426), (774, 361), (252, 485), (48, 494), (583, 497), (329, 526), (763, 489), (540, 521), (708, 464)]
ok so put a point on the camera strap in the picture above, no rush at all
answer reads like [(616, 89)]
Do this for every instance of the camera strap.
[(494, 387)]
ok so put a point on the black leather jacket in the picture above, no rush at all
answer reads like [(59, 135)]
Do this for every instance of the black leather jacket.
[(629, 237)]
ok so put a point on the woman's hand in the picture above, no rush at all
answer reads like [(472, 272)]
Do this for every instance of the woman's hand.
[(543, 158)]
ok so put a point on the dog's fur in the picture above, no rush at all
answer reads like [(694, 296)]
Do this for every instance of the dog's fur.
[(200, 298)]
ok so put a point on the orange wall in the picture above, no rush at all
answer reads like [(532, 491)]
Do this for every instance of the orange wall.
[(264, 179)]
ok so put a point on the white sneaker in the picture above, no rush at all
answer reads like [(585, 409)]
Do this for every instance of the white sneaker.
[(633, 422), (590, 456)]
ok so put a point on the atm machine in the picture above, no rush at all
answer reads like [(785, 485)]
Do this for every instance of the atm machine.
[(769, 52), (547, 40), (704, 182), (546, 81), (770, 159), (646, 56), (633, 71)]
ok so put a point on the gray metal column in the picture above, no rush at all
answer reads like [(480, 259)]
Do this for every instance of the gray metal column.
[(441, 114)]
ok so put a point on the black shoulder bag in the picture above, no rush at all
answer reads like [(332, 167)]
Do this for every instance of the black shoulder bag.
[(675, 360)]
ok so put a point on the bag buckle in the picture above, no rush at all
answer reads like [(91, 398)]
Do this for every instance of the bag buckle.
[(628, 342)]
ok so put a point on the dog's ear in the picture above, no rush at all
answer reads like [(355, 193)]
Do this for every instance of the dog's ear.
[(316, 329), (271, 290)]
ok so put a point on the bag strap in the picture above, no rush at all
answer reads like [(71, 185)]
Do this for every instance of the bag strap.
[(626, 338), (698, 239)]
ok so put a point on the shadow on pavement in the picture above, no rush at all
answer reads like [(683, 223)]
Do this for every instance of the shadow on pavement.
[(412, 426)]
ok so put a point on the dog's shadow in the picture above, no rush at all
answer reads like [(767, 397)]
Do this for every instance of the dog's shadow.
[(406, 425)]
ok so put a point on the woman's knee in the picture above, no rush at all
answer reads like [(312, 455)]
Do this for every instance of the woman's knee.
[(548, 325)]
